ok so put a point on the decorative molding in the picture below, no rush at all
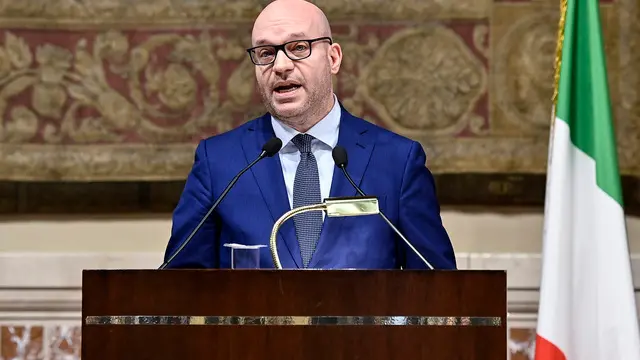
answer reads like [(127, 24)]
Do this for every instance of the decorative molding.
[(48, 285), (64, 270), (491, 192), (165, 13)]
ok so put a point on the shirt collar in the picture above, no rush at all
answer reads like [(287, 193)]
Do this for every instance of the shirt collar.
[(326, 130)]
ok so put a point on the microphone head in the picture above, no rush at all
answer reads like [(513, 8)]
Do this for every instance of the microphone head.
[(339, 156), (272, 146)]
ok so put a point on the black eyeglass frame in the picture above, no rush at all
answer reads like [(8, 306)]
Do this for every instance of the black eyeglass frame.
[(282, 47)]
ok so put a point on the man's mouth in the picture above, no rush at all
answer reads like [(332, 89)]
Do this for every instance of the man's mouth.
[(286, 88)]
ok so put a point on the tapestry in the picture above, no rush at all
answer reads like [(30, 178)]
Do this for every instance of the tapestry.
[(110, 97), (106, 90)]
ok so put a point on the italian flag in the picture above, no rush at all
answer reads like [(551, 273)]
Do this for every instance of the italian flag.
[(587, 306)]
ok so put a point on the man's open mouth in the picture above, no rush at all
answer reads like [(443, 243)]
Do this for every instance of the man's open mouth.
[(286, 88)]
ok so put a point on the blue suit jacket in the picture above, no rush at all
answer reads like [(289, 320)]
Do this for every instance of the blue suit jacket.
[(382, 163)]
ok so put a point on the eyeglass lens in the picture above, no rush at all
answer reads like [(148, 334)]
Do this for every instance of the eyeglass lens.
[(295, 50)]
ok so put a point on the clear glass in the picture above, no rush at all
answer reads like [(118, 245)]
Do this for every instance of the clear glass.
[(245, 256)]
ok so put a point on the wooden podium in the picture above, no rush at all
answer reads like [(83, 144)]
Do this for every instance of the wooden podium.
[(293, 314)]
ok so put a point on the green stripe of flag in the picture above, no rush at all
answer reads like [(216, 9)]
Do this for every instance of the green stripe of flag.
[(583, 93)]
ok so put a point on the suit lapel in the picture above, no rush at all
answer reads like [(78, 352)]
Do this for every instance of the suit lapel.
[(358, 143), (268, 176), (353, 137)]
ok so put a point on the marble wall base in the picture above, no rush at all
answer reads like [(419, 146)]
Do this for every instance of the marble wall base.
[(40, 299)]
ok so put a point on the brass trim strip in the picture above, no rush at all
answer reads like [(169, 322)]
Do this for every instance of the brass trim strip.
[(295, 320)]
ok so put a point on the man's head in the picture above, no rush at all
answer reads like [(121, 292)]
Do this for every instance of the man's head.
[(298, 92)]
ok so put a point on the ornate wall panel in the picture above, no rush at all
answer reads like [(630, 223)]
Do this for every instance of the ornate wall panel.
[(114, 91)]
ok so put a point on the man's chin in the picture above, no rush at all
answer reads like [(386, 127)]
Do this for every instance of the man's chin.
[(287, 110)]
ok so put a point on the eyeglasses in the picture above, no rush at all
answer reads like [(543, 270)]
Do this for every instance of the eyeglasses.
[(295, 50)]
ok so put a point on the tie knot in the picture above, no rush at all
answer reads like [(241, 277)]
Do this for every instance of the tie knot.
[(303, 142)]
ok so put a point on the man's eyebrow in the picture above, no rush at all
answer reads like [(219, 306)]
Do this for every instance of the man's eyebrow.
[(292, 36)]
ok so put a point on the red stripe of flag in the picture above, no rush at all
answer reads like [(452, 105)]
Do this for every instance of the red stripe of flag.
[(545, 350)]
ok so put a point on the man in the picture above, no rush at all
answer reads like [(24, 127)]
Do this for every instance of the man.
[(295, 58)]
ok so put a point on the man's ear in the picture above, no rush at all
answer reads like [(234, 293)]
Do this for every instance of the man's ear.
[(335, 56)]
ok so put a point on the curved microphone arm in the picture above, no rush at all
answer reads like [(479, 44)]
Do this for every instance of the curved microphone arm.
[(289, 214), (233, 181), (395, 229), (407, 241), (334, 207)]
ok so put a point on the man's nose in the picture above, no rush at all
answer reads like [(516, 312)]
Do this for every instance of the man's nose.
[(282, 63)]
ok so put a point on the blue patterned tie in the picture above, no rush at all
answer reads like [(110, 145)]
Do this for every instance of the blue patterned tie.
[(306, 191)]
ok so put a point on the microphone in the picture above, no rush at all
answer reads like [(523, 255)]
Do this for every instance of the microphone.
[(269, 149), (340, 159)]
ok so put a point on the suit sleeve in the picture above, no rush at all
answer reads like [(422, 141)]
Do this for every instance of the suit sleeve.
[(419, 216), (195, 201)]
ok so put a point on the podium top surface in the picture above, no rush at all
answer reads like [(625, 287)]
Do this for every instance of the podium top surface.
[(468, 293)]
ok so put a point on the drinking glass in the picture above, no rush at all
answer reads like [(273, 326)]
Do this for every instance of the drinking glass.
[(245, 256)]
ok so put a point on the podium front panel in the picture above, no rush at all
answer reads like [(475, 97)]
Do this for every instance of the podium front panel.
[(294, 314)]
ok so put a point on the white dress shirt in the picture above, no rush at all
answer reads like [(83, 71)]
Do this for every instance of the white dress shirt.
[(325, 133)]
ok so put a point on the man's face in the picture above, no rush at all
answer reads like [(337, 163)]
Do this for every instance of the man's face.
[(294, 89)]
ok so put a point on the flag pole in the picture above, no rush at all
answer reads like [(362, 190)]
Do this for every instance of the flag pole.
[(556, 75), (556, 78), (558, 58)]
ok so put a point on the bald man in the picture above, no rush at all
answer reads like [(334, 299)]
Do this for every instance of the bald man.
[(295, 57)]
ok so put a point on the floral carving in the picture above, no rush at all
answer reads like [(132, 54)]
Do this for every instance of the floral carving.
[(424, 80), (177, 89), (481, 39), (22, 125), (527, 57), (5, 63), (170, 100), (154, 10), (18, 50), (121, 90)]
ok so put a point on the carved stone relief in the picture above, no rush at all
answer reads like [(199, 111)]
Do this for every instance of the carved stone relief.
[(109, 90)]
